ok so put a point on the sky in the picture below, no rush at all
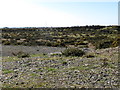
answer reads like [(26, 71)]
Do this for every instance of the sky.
[(119, 13), (58, 13)]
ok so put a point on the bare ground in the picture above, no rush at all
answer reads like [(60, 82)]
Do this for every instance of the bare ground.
[(8, 50)]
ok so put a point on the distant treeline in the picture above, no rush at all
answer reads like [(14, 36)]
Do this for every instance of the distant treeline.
[(52, 28)]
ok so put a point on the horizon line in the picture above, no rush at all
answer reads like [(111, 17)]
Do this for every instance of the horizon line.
[(57, 26)]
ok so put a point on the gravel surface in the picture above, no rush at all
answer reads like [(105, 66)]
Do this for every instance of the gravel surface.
[(63, 72)]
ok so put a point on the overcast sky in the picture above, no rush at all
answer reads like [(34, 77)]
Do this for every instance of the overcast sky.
[(57, 13)]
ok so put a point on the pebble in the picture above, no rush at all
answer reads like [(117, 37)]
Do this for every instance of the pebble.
[(65, 75)]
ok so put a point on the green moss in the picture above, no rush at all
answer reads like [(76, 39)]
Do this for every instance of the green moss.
[(33, 74), (41, 84), (7, 86), (78, 68), (112, 66), (8, 71), (51, 69), (38, 55)]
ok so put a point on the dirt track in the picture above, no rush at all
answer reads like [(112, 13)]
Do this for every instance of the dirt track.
[(8, 50)]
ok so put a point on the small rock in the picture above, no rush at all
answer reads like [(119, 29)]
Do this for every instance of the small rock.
[(16, 83), (15, 75), (76, 71), (105, 75)]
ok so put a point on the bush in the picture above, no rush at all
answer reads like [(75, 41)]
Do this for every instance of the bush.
[(106, 44), (73, 52), (6, 42), (22, 54), (47, 44), (55, 44), (116, 42), (90, 56)]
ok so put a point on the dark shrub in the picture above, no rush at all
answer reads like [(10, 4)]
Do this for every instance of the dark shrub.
[(22, 54), (6, 42), (90, 56), (64, 63), (47, 44), (73, 52), (105, 44), (116, 42), (55, 44)]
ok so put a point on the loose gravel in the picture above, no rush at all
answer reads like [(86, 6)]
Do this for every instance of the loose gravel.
[(63, 72)]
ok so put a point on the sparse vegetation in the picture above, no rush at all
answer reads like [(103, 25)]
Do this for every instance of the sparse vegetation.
[(99, 36), (88, 58)]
